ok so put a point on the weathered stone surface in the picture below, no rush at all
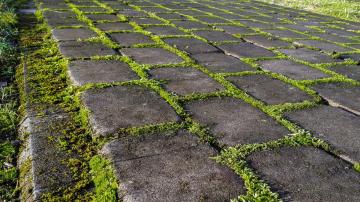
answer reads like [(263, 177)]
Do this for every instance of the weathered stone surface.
[(155, 9), (192, 12), (334, 125), (340, 95), (92, 9), (221, 63), (266, 42), (286, 34), (246, 50), (164, 30), (125, 106), (143, 21), (171, 167), (132, 13), (190, 24), (233, 122), (323, 45), (211, 20), (152, 56), (191, 45), (129, 39), (87, 71), (56, 22), (171, 16), (235, 29), (72, 34), (216, 36), (333, 38), (309, 55), (114, 26), (292, 69), (256, 24), (75, 49), (306, 174), (269, 90), (351, 71), (185, 81), (100, 17)]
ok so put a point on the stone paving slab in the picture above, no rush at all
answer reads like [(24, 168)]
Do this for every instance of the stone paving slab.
[(83, 72), (75, 49), (171, 167), (129, 39), (152, 56), (340, 95), (114, 26), (266, 42), (125, 106), (323, 45), (292, 69), (351, 71), (185, 80), (245, 50), (334, 125), (307, 174), (72, 34), (191, 45), (221, 63), (164, 30), (309, 55), (233, 122), (269, 90)]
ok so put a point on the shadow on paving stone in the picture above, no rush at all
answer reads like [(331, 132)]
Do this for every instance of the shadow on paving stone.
[(171, 167), (269, 90), (340, 95), (306, 174), (75, 49), (292, 69), (334, 125), (82, 72), (120, 107), (184, 81), (152, 56), (233, 122)]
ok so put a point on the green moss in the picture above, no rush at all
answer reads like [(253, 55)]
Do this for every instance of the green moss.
[(104, 179), (357, 167)]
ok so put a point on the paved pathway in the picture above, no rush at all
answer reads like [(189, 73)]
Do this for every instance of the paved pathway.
[(245, 81)]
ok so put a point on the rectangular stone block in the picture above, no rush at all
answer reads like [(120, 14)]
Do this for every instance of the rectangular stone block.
[(234, 122), (245, 50), (152, 56), (306, 174), (183, 81), (269, 90), (82, 72), (334, 125), (119, 107), (170, 167)]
